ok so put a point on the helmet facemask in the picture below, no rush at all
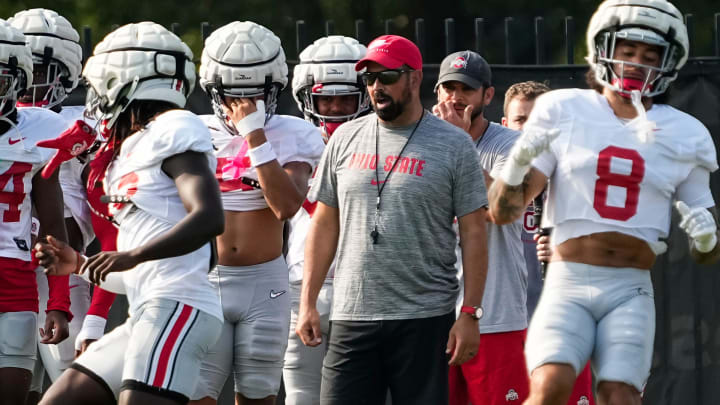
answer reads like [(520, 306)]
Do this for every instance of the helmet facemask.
[(217, 93), (12, 80), (610, 71), (49, 85), (308, 94), (102, 111)]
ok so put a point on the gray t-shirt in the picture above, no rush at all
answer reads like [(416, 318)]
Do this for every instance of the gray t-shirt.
[(410, 272), (504, 300)]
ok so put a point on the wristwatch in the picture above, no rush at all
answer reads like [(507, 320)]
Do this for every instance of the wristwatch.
[(475, 312)]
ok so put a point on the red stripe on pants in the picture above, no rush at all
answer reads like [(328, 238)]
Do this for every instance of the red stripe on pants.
[(167, 349)]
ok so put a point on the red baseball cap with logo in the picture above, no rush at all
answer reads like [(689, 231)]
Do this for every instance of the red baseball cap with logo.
[(392, 51)]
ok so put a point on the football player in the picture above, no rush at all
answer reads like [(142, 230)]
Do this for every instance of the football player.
[(264, 161), (617, 160), (22, 190), (57, 62), (328, 92), (162, 193), (519, 101)]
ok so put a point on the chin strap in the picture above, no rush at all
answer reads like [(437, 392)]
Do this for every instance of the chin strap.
[(644, 128)]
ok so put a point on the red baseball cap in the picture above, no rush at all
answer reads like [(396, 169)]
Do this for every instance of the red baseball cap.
[(392, 51)]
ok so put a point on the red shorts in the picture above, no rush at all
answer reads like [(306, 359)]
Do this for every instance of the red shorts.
[(18, 286), (496, 375)]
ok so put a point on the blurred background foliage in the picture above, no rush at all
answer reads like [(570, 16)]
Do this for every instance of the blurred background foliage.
[(281, 16)]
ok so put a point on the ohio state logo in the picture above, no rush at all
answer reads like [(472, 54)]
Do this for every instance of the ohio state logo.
[(78, 148), (459, 63)]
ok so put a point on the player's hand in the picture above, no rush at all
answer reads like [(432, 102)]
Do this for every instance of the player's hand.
[(544, 251), (93, 328), (699, 224), (308, 326), (84, 346), (446, 111), (58, 258), (246, 114), (71, 143), (531, 144), (463, 341), (56, 328), (104, 263)]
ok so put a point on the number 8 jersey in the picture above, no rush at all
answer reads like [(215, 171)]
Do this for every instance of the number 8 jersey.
[(603, 178)]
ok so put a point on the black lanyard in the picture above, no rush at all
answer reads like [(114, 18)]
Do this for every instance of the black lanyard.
[(374, 234)]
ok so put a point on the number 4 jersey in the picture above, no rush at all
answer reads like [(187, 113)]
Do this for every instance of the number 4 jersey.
[(20, 159), (603, 178)]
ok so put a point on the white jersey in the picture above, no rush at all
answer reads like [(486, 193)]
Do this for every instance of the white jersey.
[(156, 207), (604, 179), (299, 228), (292, 139), (20, 160), (74, 191)]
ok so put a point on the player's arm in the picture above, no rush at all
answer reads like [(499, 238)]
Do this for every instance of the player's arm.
[(284, 188), (508, 202), (48, 205), (320, 247), (200, 194)]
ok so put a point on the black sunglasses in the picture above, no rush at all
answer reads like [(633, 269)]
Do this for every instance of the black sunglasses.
[(385, 77)]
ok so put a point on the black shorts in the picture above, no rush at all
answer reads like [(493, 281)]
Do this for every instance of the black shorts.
[(366, 358)]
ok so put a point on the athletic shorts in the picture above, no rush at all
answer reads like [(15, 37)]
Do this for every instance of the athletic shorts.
[(586, 310), (18, 339), (157, 350), (256, 306), (496, 375), (302, 370), (54, 359), (366, 358)]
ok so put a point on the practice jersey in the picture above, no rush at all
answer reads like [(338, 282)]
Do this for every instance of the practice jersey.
[(137, 173), (292, 139), (20, 160), (70, 177), (603, 178), (299, 228)]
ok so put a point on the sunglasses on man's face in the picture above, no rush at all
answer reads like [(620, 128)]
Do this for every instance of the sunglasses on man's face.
[(385, 77)]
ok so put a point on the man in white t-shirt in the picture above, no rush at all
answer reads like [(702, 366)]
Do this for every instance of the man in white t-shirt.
[(617, 160)]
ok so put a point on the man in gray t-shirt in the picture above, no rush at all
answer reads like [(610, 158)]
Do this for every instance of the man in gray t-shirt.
[(388, 188), (464, 89)]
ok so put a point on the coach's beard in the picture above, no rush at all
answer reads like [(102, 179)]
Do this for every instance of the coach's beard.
[(391, 108)]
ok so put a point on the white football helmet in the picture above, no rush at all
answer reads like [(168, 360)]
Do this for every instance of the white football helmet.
[(55, 47), (327, 68), (242, 59), (15, 67), (656, 22), (142, 61)]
